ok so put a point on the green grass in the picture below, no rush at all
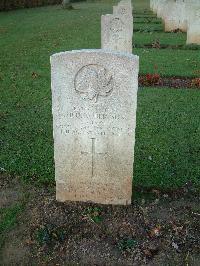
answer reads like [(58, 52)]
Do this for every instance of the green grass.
[(167, 130), (140, 6), (167, 152), (169, 62), (146, 19), (8, 219), (167, 121), (67, 30), (150, 27), (164, 38)]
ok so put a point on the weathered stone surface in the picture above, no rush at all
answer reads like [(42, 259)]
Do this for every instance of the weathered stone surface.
[(192, 12), (117, 29), (127, 3), (181, 15), (116, 33), (94, 96), (193, 25), (125, 12), (176, 14), (152, 3), (193, 34), (155, 5), (161, 8)]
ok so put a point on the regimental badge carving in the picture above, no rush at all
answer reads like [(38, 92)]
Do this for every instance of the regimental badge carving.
[(122, 11), (93, 81), (116, 26)]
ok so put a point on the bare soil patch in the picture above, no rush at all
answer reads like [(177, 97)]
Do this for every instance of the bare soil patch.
[(159, 228), (147, 30), (157, 45), (147, 21), (169, 82)]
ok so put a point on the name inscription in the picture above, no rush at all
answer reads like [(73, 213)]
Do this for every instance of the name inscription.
[(96, 124), (100, 116)]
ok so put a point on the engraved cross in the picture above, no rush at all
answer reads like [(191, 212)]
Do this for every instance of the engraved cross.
[(93, 152)]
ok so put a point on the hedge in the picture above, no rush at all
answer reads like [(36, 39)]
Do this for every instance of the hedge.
[(6, 5)]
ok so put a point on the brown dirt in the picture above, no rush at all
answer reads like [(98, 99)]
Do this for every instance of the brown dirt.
[(8, 195), (169, 82), (157, 45), (148, 20), (159, 228), (147, 30)]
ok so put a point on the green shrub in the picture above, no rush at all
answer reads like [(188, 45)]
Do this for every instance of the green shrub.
[(66, 4), (6, 5)]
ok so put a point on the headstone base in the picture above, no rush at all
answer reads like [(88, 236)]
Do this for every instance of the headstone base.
[(98, 193)]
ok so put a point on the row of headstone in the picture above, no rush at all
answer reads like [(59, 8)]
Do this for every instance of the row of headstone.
[(117, 28), (181, 15), (94, 101)]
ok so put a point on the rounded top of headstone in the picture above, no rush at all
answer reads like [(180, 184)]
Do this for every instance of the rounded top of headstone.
[(98, 51)]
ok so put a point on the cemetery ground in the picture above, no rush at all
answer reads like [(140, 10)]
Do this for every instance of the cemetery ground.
[(161, 226)]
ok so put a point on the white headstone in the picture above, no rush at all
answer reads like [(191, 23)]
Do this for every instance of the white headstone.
[(117, 29), (181, 15), (94, 117), (174, 15), (161, 8), (151, 4), (192, 12), (155, 5), (116, 33), (125, 12), (171, 17), (193, 26), (127, 3)]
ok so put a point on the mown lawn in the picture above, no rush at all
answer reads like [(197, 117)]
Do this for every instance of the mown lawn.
[(8, 219), (167, 152)]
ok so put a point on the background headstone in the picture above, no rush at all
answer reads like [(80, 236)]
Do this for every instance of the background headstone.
[(127, 3), (67, 4), (193, 26), (172, 17), (116, 33), (125, 12), (117, 29)]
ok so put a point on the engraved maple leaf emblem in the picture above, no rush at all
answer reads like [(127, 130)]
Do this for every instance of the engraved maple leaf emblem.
[(93, 81)]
